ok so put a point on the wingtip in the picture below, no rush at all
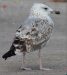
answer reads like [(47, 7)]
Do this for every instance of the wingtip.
[(4, 57)]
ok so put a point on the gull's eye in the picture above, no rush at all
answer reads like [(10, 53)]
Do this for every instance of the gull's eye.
[(46, 8)]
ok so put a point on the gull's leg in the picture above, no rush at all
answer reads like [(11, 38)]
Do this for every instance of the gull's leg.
[(24, 62), (40, 62)]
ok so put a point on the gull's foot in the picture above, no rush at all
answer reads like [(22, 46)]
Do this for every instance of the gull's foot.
[(22, 68), (45, 69)]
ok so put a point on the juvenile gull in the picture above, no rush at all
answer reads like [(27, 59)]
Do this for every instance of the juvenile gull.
[(34, 34)]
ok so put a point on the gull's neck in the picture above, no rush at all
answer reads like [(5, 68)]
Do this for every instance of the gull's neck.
[(41, 16)]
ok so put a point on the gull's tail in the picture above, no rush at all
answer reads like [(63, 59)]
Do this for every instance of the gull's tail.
[(10, 53)]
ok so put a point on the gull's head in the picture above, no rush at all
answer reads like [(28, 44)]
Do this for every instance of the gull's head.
[(42, 9)]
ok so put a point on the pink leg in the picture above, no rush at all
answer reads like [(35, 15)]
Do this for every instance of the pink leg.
[(23, 62), (40, 62)]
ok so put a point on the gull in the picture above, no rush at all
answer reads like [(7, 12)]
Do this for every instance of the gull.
[(33, 34)]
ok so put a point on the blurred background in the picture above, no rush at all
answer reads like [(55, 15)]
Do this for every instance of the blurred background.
[(12, 14), (59, 0)]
